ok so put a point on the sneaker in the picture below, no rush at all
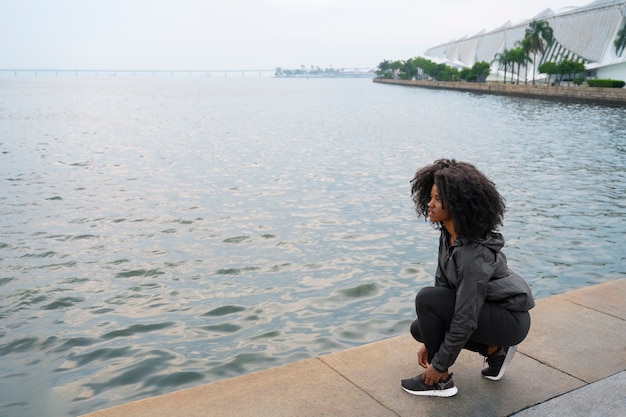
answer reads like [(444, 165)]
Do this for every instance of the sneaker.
[(498, 361), (417, 386)]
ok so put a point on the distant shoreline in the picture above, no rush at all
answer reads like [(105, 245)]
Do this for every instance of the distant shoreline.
[(573, 94), (355, 75)]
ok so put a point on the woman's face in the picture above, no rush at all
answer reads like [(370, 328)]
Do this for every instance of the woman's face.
[(436, 212)]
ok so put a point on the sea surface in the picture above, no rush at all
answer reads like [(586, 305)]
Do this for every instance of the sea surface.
[(158, 233)]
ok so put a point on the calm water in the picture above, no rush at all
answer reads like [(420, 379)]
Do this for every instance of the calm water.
[(161, 233)]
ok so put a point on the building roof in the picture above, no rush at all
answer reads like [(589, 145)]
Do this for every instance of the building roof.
[(584, 34)]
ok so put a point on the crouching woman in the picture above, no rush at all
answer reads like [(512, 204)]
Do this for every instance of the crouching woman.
[(477, 302)]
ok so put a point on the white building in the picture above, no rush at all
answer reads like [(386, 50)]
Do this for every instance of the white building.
[(585, 34)]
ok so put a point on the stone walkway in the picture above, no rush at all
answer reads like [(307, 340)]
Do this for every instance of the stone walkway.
[(572, 363)]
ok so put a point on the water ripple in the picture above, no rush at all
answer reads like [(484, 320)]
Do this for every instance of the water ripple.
[(224, 310), (136, 329)]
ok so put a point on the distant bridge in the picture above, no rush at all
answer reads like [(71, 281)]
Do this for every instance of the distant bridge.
[(224, 73)]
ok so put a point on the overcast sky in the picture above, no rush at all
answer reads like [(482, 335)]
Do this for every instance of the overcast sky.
[(241, 34)]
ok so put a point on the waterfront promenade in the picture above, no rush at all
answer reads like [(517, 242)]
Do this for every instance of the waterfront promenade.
[(572, 363), (573, 94)]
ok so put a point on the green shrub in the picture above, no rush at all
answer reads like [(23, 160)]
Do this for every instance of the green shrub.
[(577, 81), (606, 83)]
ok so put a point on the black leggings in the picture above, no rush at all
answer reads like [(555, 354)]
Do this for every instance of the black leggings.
[(497, 326)]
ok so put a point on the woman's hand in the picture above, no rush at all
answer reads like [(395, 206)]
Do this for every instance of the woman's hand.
[(430, 375), (422, 357)]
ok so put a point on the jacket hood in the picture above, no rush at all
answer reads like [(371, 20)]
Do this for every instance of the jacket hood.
[(495, 241)]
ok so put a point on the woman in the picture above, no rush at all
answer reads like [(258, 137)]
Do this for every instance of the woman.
[(477, 303)]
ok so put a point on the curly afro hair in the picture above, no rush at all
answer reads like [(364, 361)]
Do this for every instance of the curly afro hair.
[(469, 196)]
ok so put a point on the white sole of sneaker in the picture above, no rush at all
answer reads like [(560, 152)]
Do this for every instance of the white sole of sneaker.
[(434, 393), (507, 360)]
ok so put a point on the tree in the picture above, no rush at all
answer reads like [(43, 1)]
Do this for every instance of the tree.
[(425, 67), (526, 45), (518, 57), (620, 41), (409, 69), (437, 70), (478, 73), (504, 60), (389, 69), (447, 73), (396, 66), (428, 67), (541, 36), (550, 68), (466, 74), (384, 69), (481, 71), (570, 68)]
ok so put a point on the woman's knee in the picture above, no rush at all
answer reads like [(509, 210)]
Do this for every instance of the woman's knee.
[(424, 296), (433, 297), (416, 332)]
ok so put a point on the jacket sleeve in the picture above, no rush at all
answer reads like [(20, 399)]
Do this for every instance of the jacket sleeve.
[(473, 265)]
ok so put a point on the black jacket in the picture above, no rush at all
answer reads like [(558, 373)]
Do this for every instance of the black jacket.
[(478, 272)]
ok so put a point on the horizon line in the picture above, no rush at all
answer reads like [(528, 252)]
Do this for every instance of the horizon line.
[(170, 70)]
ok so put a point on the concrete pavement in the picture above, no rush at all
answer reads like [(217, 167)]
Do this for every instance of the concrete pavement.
[(572, 363)]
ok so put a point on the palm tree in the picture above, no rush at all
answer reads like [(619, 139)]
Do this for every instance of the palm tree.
[(504, 60), (518, 57), (541, 36), (620, 41), (526, 46)]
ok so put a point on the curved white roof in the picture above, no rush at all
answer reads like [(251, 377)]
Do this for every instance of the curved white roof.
[(585, 33)]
